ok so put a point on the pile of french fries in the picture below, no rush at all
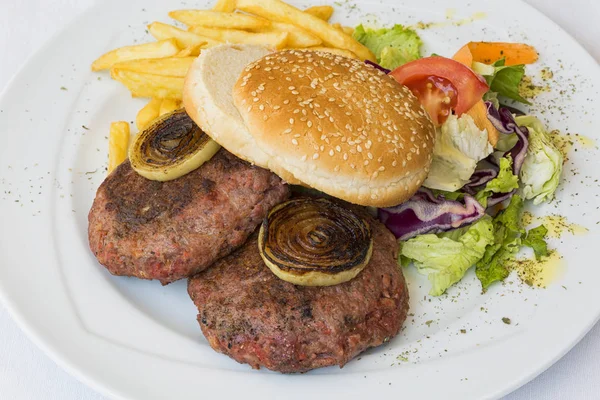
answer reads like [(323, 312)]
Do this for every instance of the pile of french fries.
[(157, 70)]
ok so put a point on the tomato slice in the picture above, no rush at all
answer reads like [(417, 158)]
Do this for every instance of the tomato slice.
[(456, 86), (437, 95)]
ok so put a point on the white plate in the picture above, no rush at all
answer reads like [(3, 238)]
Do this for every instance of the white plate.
[(136, 339)]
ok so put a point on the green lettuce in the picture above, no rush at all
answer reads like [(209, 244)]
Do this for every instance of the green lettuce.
[(503, 80), (535, 239), (507, 242), (459, 145), (505, 182), (543, 163), (393, 47), (446, 257)]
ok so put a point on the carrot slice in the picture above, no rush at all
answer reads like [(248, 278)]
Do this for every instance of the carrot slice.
[(478, 112), (488, 53), (513, 53), (464, 55)]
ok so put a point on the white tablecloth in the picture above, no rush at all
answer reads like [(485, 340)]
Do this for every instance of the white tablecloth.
[(27, 373)]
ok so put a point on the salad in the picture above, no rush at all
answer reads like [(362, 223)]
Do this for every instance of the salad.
[(489, 159)]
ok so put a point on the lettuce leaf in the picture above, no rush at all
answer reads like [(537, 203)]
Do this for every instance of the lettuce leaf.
[(393, 47), (507, 242), (535, 239), (543, 163), (505, 182), (446, 257), (459, 146), (503, 80)]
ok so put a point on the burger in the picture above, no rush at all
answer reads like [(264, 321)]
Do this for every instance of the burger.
[(316, 119), (282, 279)]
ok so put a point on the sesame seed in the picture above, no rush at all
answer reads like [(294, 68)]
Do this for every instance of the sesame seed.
[(295, 142), (291, 120), (315, 156)]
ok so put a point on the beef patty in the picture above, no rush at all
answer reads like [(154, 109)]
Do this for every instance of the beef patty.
[(175, 229), (248, 313)]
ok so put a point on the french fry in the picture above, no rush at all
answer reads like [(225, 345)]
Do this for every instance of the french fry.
[(184, 39), (172, 66), (149, 85), (346, 29), (118, 144), (297, 37), (321, 12), (225, 6), (276, 10), (168, 105), (217, 19), (333, 50), (147, 114), (191, 51), (276, 40), (160, 49)]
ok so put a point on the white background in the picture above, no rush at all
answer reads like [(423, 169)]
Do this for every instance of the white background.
[(27, 373)]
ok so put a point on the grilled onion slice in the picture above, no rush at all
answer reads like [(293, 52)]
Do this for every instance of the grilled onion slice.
[(171, 147), (315, 242)]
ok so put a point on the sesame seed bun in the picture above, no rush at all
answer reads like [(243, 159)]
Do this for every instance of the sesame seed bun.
[(337, 124), (323, 120)]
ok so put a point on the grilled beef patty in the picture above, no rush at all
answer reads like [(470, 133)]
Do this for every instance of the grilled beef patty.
[(248, 313), (175, 229)]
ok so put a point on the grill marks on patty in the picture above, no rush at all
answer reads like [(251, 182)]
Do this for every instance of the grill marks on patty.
[(150, 199)]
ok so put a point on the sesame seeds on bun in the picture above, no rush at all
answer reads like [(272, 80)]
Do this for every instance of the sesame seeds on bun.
[(330, 122), (337, 124)]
